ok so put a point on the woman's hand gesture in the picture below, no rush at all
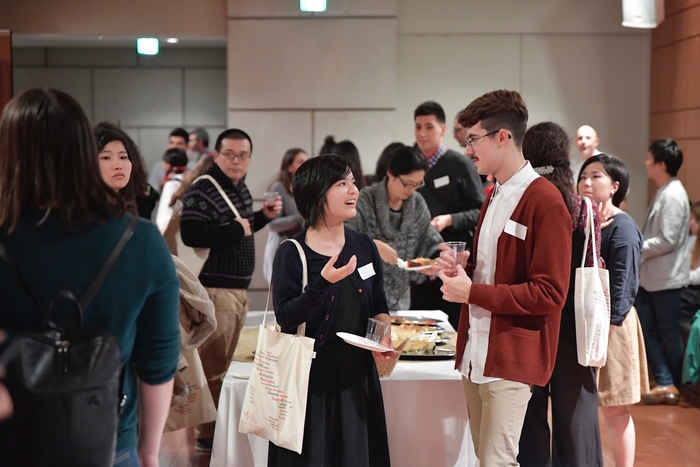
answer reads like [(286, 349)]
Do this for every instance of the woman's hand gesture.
[(333, 274)]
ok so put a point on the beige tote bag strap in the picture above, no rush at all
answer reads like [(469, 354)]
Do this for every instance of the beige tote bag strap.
[(590, 232), (221, 192), (301, 329)]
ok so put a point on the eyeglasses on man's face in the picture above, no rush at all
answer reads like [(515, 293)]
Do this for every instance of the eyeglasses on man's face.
[(470, 142), (230, 155), (413, 186)]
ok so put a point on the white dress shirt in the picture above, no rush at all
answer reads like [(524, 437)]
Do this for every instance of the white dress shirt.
[(504, 200)]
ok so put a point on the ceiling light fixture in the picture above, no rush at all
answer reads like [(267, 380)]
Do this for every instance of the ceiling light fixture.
[(312, 5), (172, 40), (147, 46)]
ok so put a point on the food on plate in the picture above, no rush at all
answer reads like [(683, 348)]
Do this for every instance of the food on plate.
[(418, 262), (419, 341)]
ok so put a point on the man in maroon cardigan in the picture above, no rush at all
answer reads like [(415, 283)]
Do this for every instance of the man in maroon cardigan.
[(515, 284)]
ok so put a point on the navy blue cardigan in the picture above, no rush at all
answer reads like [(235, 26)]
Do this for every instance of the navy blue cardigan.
[(316, 305)]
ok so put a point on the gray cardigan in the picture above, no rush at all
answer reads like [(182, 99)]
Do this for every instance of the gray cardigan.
[(664, 261), (413, 237)]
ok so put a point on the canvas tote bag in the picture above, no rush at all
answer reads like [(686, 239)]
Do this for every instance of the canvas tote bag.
[(274, 407), (591, 305), (194, 258)]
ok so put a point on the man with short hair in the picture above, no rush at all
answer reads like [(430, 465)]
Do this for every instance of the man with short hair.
[(664, 270), (587, 142), (515, 284), (459, 132), (198, 145), (177, 138), (454, 194), (207, 221)]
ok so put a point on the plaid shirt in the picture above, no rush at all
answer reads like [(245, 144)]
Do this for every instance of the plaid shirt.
[(432, 160)]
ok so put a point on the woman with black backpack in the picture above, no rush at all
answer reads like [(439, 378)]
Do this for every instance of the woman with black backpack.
[(94, 311)]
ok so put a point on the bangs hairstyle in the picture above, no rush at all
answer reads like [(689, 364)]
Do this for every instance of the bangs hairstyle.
[(311, 182), (105, 133), (615, 169), (405, 160), (49, 159), (547, 144), (496, 110)]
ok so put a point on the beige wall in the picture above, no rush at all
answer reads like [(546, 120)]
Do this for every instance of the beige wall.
[(115, 18), (148, 96)]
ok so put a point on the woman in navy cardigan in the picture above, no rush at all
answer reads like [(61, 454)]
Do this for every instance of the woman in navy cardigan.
[(345, 424)]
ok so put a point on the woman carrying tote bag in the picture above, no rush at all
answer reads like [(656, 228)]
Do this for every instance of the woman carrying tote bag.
[(345, 424), (624, 378)]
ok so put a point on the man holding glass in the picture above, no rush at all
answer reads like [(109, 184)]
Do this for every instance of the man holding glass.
[(208, 221), (516, 282)]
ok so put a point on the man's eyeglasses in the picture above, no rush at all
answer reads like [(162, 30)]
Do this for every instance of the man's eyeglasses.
[(470, 142), (230, 155), (411, 185)]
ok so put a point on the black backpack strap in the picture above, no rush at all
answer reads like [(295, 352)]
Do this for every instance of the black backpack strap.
[(97, 280), (109, 263)]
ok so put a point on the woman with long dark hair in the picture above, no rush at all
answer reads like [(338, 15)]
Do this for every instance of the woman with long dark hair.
[(122, 169), (345, 424), (59, 220), (575, 434), (289, 222)]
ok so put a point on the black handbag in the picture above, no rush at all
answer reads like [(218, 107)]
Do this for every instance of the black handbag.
[(66, 383)]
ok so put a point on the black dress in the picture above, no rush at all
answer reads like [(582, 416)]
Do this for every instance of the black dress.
[(345, 424)]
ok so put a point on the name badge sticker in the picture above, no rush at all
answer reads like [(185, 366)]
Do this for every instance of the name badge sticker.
[(515, 229), (442, 181), (366, 271)]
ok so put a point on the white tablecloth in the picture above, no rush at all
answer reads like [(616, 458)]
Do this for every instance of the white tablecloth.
[(426, 417)]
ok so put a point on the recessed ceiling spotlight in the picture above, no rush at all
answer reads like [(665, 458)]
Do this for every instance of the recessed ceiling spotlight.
[(172, 40)]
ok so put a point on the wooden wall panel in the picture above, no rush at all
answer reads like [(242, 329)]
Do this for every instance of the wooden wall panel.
[(677, 27), (5, 67), (673, 7), (675, 87)]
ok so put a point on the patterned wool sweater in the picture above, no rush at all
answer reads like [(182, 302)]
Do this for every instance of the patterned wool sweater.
[(208, 222)]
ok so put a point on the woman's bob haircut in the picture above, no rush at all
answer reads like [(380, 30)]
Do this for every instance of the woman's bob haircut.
[(311, 182)]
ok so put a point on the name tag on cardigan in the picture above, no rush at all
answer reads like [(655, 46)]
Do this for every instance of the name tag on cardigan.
[(515, 229), (366, 271), (442, 181)]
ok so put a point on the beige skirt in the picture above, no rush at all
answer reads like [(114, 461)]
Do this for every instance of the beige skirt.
[(625, 377)]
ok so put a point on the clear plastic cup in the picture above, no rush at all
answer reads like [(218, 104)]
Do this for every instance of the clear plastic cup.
[(456, 247), (377, 329), (270, 196)]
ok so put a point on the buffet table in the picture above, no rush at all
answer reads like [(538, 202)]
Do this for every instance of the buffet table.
[(426, 416)]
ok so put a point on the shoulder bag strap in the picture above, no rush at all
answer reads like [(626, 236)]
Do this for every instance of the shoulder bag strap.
[(221, 192), (590, 234), (96, 282), (301, 329)]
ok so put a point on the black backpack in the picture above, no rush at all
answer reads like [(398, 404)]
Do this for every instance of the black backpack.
[(66, 384)]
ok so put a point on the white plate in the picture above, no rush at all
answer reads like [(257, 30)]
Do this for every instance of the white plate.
[(363, 342), (404, 265)]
